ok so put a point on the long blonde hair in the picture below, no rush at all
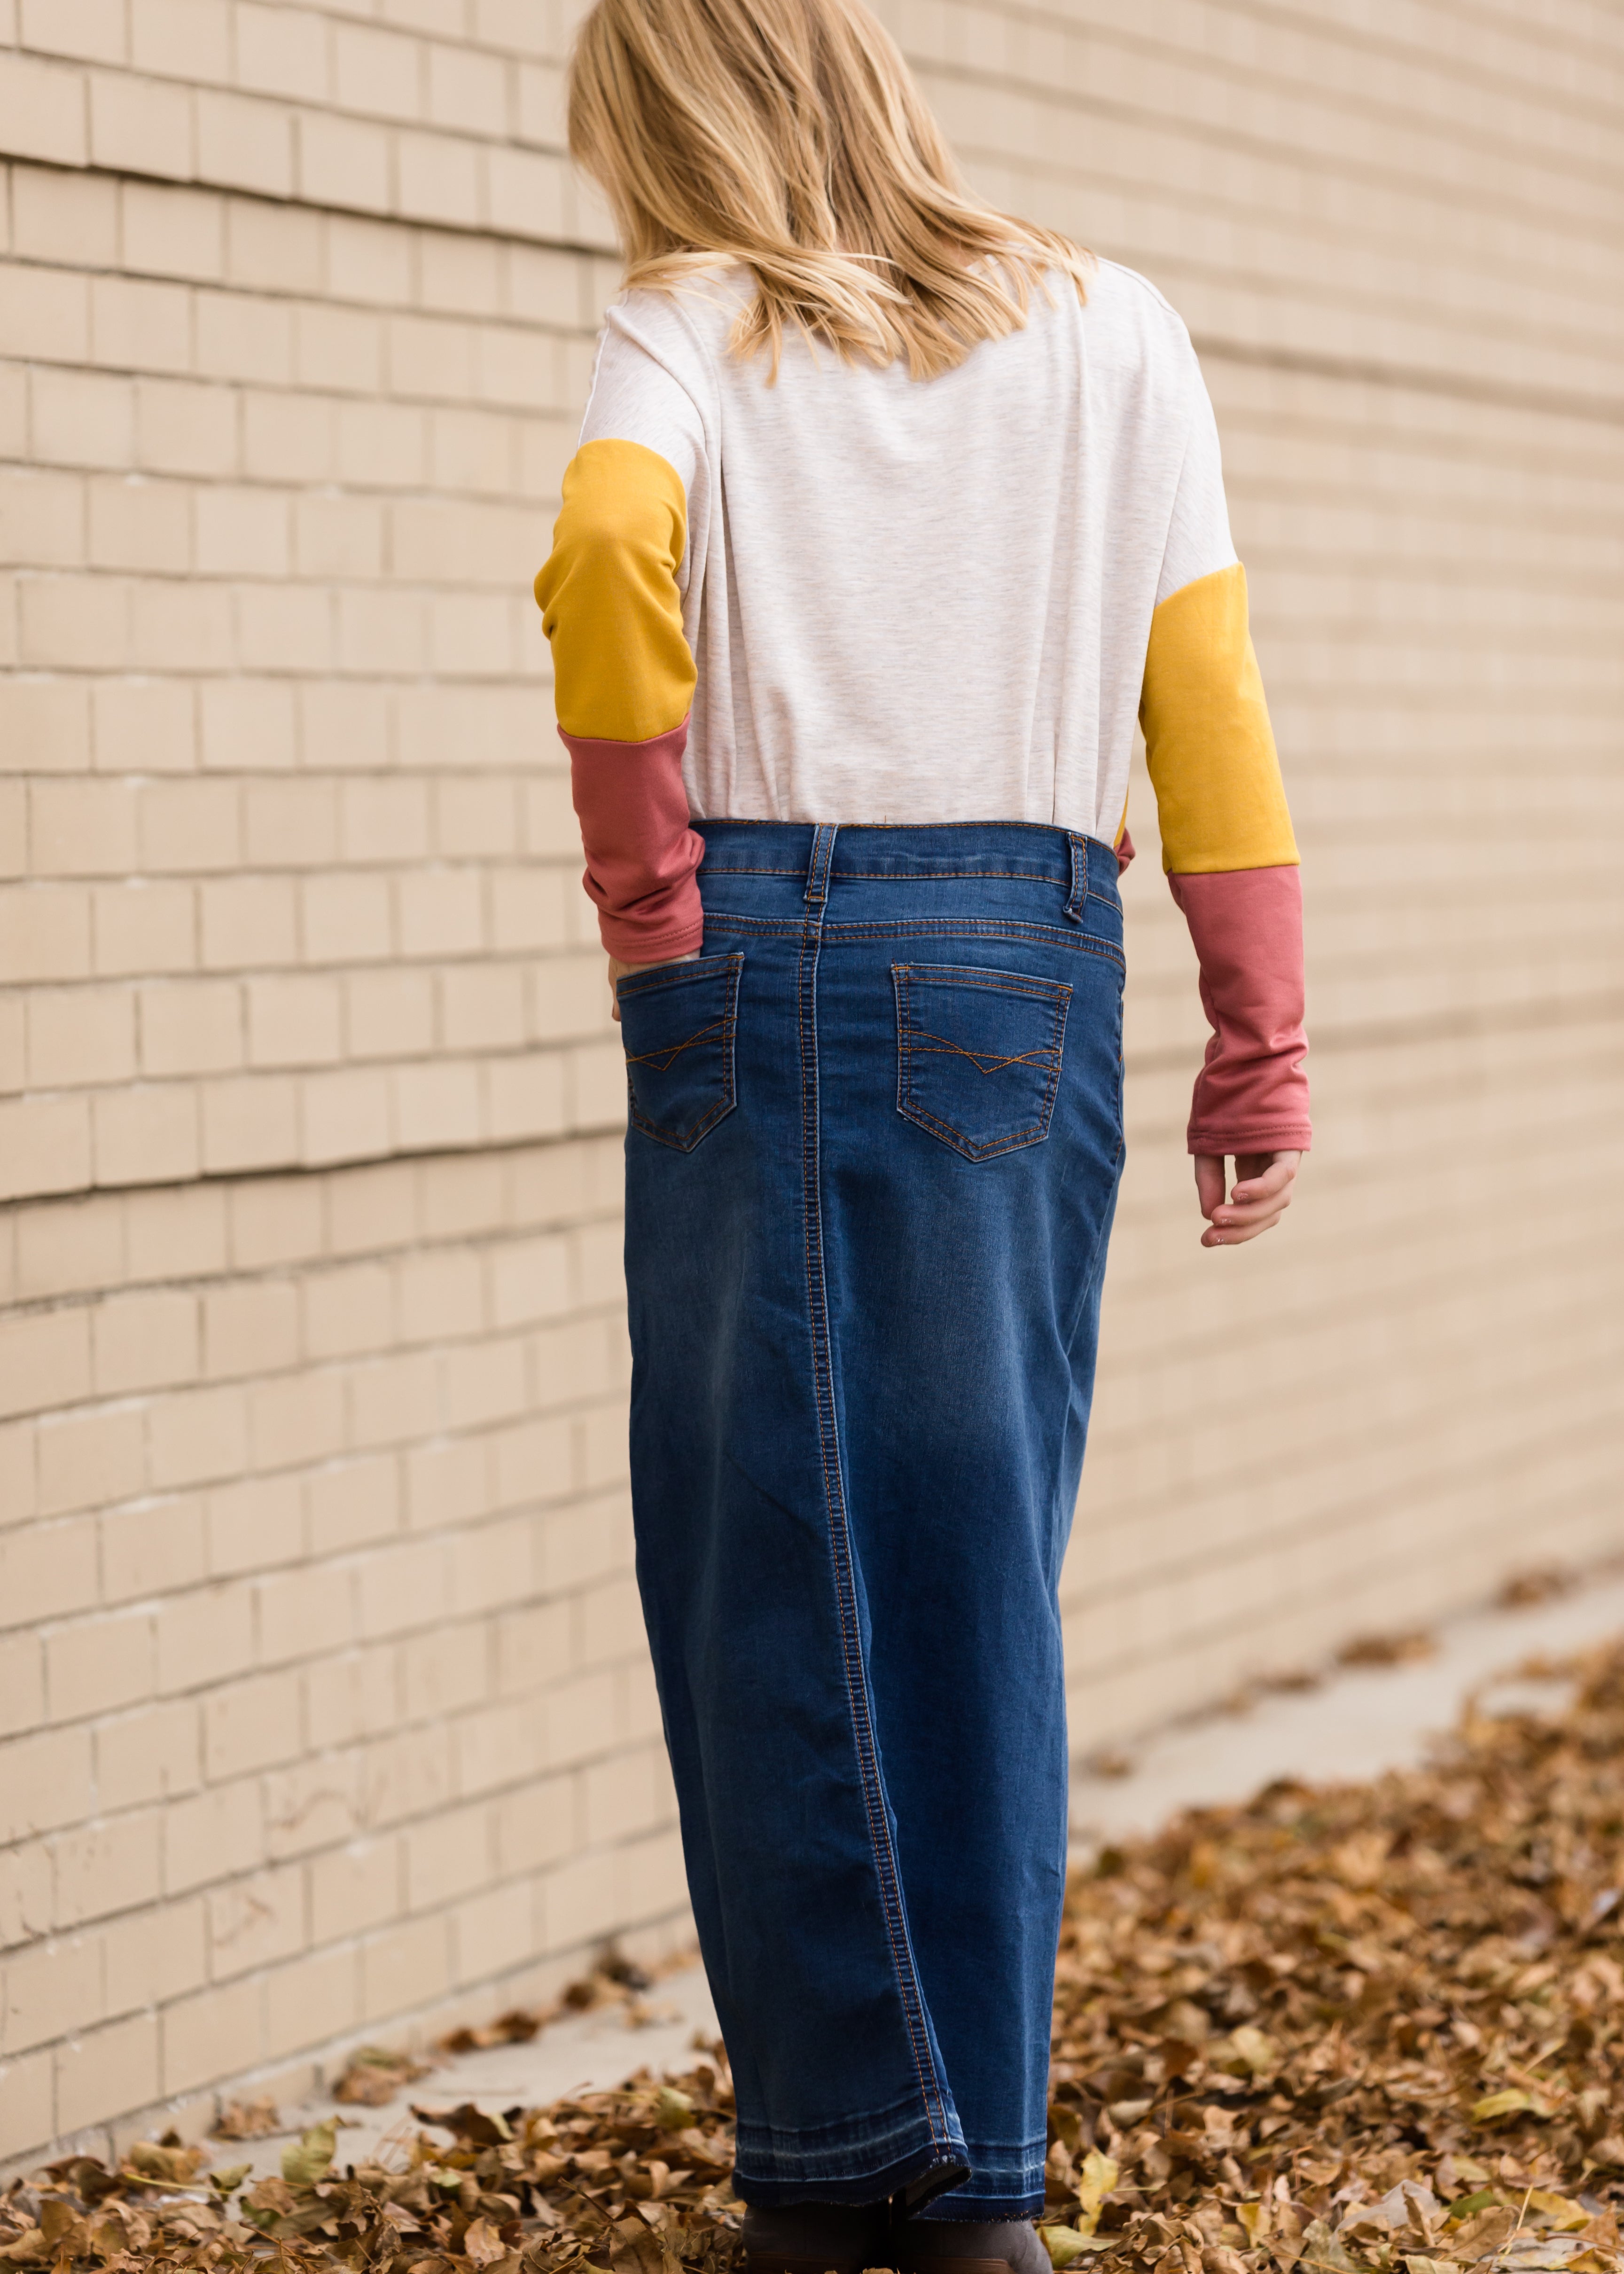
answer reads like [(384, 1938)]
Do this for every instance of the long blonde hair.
[(789, 135)]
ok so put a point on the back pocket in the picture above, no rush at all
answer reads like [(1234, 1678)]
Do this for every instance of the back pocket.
[(978, 1054), (678, 1026)]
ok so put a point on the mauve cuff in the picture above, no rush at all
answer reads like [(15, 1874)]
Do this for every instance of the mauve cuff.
[(1246, 927), (642, 857), (1282, 1137)]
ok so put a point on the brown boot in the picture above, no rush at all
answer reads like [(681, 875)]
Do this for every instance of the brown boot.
[(817, 2237), (963, 2246)]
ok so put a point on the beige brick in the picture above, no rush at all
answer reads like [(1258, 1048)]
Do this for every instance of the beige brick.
[(181, 627), (255, 1922), (242, 532), (444, 1672), (293, 1021), (438, 1105), (45, 1147), (22, 1684), (41, 519), (81, 419), (49, 1989), (349, 1698), (250, 1725), (380, 445), (144, 726), (41, 110), (184, 426), (145, 1136), (240, 336), (537, 1825), (446, 1857), (149, 1755), (282, 50), (252, 1123), (447, 1483), (370, 262), (44, 1781), (46, 1570), (139, 524), (308, 2002), (28, 2099), (349, 1311), (44, 1359), (253, 1525), (106, 2071), (140, 927), (109, 1864), (287, 438), (296, 1417), (302, 1612), (291, 824), (378, 71), (74, 27), (217, 2033), (250, 1329), (440, 912), (205, 1636), (576, 1895), (175, 1235), (467, 90), (80, 1034), (69, 1247), (140, 125), (197, 1434), (274, 248), (197, 1029), (248, 725), (245, 145), (441, 1294), (345, 917), (338, 536), (353, 1888), (187, 39), (44, 315), (405, 1966), (373, 1208), (346, 1117), (401, 1587), (152, 1549), (388, 1013), (278, 1221), (98, 1666), (344, 162), (136, 326), (89, 1459), (246, 921), (173, 232), (44, 727)]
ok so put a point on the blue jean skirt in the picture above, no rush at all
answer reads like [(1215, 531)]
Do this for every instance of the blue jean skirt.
[(875, 1134)]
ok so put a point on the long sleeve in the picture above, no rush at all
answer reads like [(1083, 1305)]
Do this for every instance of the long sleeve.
[(1227, 840), (611, 598)]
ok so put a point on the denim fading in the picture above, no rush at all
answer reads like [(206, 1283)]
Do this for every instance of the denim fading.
[(874, 1144)]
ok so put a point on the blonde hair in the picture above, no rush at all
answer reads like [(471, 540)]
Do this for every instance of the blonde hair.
[(789, 135)]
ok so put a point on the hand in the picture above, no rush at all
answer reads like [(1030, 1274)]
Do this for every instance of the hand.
[(1262, 1194), (618, 971)]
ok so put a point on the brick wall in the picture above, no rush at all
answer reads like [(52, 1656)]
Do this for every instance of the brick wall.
[(323, 1708)]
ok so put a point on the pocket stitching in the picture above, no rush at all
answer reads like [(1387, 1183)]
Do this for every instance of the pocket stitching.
[(687, 1141), (1055, 992)]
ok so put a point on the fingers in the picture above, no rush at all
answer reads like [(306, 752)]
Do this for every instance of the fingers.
[(1209, 1183), (1261, 1196)]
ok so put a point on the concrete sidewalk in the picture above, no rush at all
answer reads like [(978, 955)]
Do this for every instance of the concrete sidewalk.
[(1356, 1723)]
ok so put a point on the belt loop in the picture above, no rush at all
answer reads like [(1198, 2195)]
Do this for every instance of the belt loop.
[(817, 867), (1076, 899)]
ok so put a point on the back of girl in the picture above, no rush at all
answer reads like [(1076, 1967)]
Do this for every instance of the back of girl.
[(894, 518)]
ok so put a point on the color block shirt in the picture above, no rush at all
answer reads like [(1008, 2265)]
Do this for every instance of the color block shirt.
[(851, 596)]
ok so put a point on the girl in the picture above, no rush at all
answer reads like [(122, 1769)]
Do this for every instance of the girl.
[(890, 516)]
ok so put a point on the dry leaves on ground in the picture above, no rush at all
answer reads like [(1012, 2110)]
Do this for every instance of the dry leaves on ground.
[(1371, 2031)]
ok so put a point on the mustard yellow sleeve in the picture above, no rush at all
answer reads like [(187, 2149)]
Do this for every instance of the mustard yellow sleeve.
[(1220, 800), (611, 607)]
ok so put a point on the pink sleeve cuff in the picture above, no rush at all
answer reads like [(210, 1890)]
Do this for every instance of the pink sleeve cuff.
[(642, 857), (1252, 1094)]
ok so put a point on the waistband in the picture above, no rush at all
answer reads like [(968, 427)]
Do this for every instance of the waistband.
[(826, 853)]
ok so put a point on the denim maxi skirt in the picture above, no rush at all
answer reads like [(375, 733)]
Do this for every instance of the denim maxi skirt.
[(875, 1134)]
